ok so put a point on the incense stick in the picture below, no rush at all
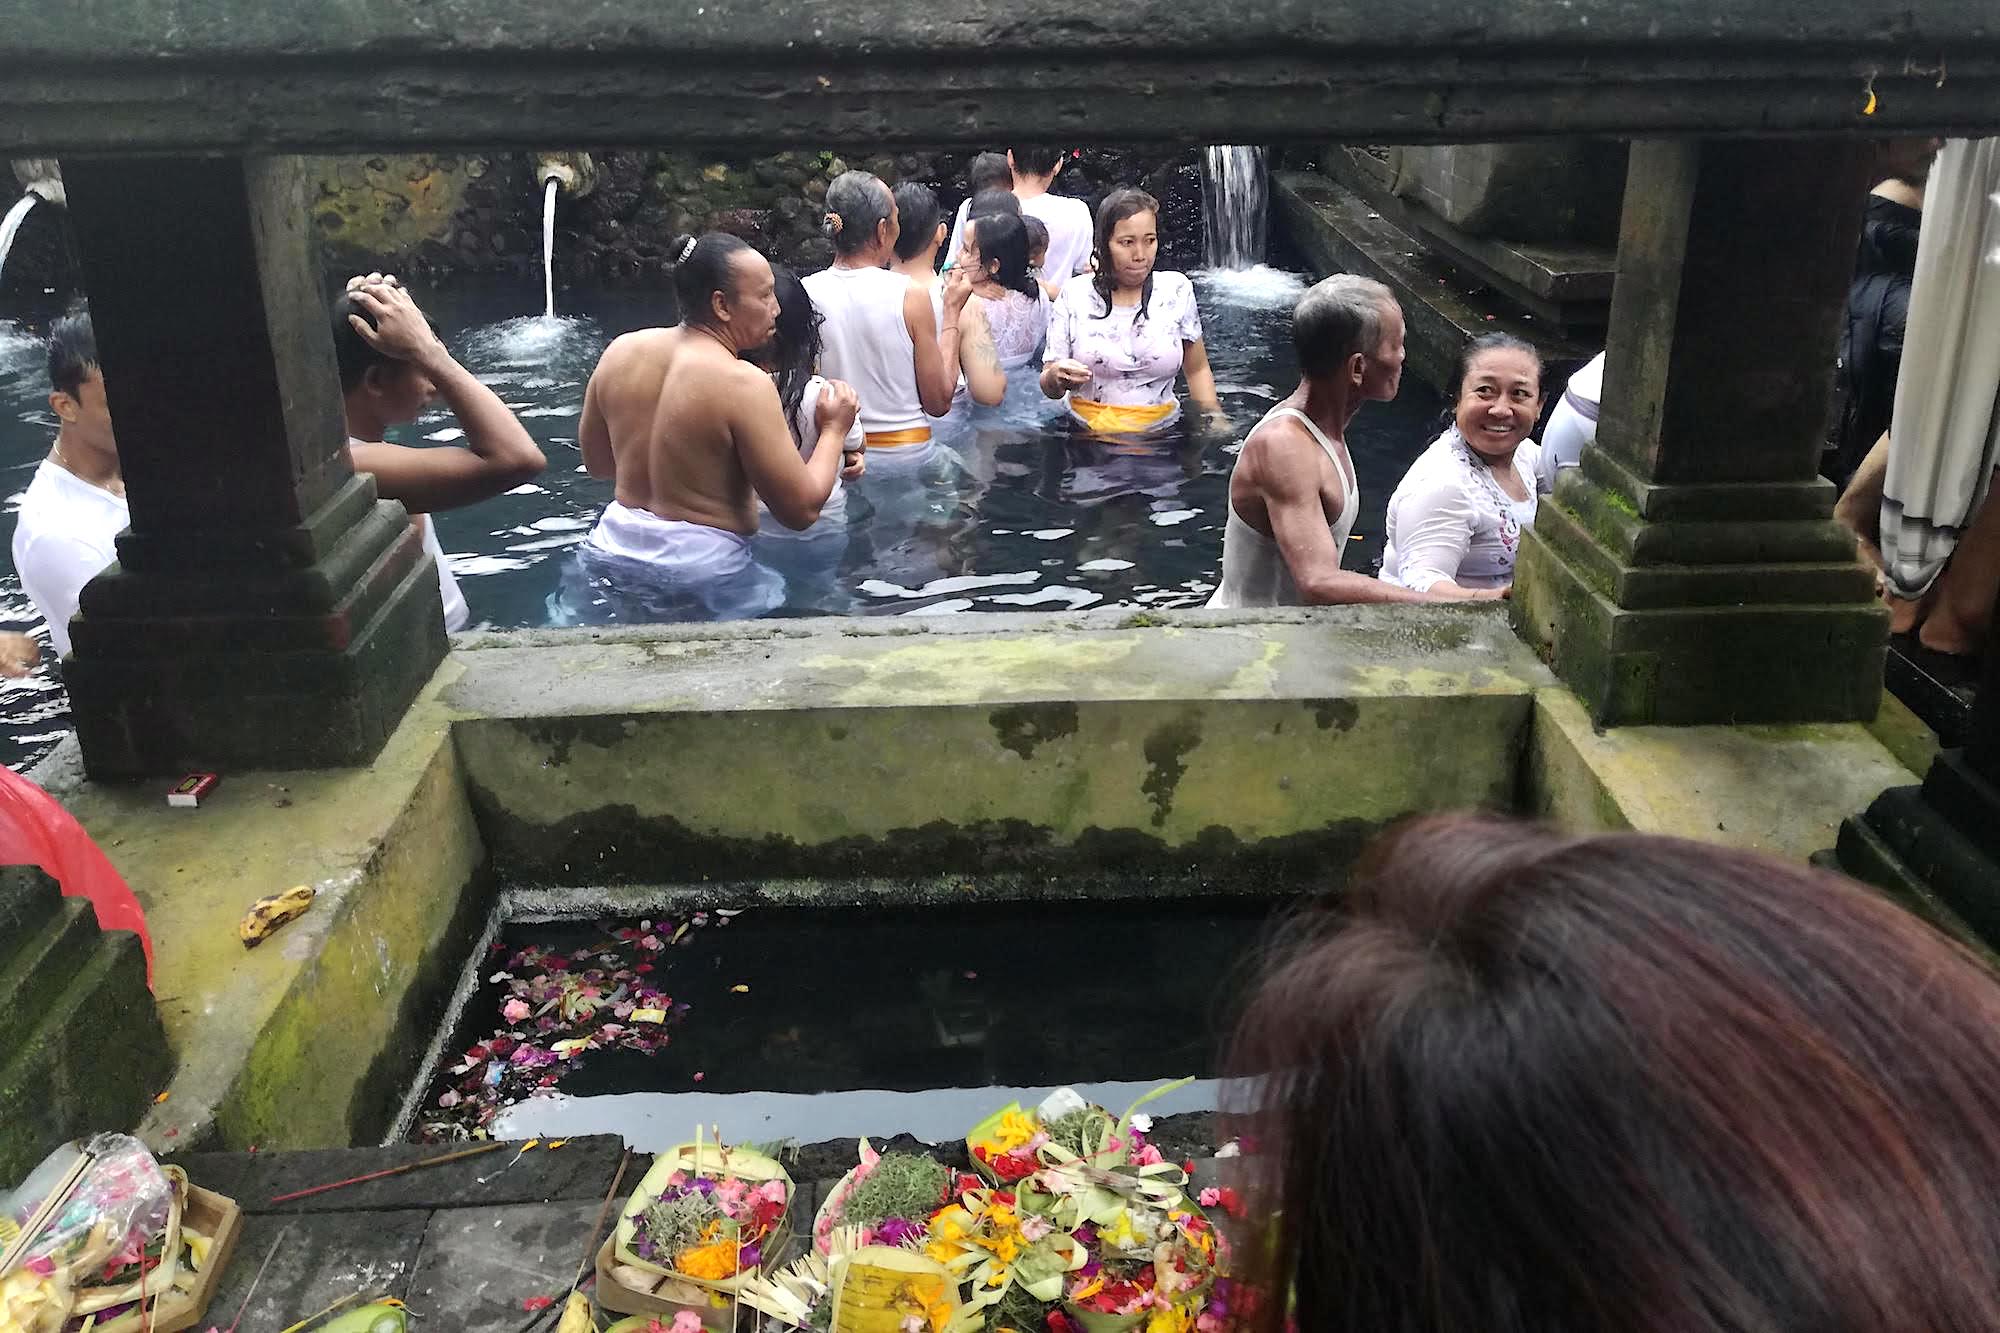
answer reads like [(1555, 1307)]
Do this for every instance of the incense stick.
[(390, 1171), (315, 1318), (40, 1217), (275, 1243), (597, 1227)]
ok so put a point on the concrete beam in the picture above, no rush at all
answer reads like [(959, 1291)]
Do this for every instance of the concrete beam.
[(80, 76)]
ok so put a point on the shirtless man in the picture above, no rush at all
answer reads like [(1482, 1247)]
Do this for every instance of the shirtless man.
[(693, 436), (1292, 494)]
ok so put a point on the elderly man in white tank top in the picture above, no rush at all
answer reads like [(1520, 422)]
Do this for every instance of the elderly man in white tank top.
[(881, 333), (1292, 493)]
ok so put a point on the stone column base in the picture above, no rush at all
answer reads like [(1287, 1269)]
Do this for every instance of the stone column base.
[(1691, 604), (1934, 846), (234, 667)]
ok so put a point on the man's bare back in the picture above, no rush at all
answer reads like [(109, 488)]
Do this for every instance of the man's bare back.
[(690, 432)]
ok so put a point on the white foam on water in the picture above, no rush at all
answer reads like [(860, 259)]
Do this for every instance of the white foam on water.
[(1258, 287), (448, 433), (1052, 534), (939, 587), (531, 340), (945, 608), (1167, 518), (1106, 566), (1074, 598)]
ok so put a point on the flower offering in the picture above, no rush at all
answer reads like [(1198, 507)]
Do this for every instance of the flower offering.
[(708, 1214)]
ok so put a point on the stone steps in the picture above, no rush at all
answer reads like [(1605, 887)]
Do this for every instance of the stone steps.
[(86, 1051)]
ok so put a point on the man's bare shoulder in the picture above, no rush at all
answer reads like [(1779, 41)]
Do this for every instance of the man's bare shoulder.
[(1282, 455), (639, 347)]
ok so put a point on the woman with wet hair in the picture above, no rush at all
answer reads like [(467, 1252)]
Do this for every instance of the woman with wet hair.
[(1118, 342), (1456, 518), (1008, 314), (1523, 1082), (808, 558)]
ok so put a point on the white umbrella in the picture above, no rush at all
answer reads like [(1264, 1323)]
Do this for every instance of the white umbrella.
[(1945, 442)]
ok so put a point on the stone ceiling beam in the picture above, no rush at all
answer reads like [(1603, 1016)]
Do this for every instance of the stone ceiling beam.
[(79, 76)]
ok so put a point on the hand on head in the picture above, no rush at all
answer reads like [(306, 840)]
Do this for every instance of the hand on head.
[(400, 329)]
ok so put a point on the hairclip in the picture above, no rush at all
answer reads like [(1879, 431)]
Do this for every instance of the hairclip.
[(688, 249)]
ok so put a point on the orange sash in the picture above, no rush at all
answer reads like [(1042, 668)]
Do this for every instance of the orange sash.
[(1110, 419), (896, 439)]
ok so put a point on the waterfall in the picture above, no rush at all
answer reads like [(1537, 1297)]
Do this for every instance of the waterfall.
[(1233, 193), (549, 248), (11, 224)]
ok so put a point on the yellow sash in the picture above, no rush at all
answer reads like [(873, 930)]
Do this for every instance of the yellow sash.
[(896, 439), (1110, 419)]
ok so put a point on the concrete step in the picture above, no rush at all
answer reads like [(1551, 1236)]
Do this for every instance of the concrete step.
[(93, 1063), (56, 948), (28, 897), (1443, 308)]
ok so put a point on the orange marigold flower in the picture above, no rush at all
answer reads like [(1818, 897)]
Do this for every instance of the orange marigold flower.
[(711, 1263)]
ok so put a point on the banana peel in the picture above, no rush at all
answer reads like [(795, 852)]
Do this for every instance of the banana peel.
[(269, 913), (576, 1315)]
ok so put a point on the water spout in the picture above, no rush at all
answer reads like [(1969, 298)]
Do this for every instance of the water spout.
[(10, 225), (549, 186), (1234, 192)]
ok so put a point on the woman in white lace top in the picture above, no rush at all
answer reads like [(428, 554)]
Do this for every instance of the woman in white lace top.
[(1456, 519), (1008, 316)]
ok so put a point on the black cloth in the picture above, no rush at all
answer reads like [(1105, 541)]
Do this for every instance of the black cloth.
[(1871, 349)]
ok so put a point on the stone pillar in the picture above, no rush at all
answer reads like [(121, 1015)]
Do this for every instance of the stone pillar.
[(1690, 571), (266, 609)]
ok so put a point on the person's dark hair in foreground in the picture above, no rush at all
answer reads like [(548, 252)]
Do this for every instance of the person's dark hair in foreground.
[(72, 350), (1520, 1082)]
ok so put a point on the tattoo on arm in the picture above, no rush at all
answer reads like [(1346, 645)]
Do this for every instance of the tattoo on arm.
[(976, 343)]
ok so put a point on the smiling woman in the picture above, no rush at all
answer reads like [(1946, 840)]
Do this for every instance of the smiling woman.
[(1455, 520)]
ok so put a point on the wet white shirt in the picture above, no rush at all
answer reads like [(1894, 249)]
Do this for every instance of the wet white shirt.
[(456, 616), (1572, 425), (64, 536), (1449, 519), (1133, 362), (865, 341), (1070, 235)]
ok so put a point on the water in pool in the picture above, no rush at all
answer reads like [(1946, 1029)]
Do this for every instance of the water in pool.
[(1009, 513), (821, 1023)]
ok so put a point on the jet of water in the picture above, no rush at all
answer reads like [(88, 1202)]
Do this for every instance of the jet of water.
[(1233, 195), (548, 248), (11, 224)]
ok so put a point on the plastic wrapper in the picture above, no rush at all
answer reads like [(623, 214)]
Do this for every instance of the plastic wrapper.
[(120, 1205), (101, 1246)]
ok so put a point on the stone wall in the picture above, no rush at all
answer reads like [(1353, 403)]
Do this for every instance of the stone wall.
[(437, 214)]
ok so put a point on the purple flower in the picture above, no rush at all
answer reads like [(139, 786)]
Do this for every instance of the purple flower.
[(897, 1231), (748, 1257)]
